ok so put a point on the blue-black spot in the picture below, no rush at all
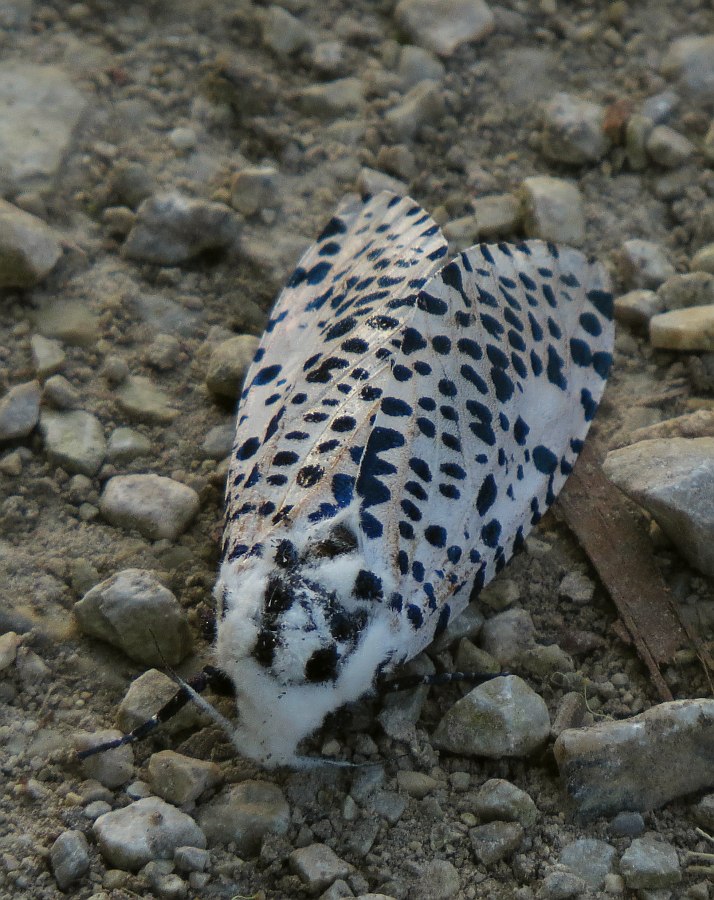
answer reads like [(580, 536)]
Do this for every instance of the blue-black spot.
[(356, 454), (492, 325), (309, 476), (266, 508), (322, 665), (368, 586), (415, 616), (536, 363), (427, 404), (259, 354), (487, 298), (449, 413), (454, 553), (426, 426), (412, 341), (527, 281), (285, 458), (520, 431), (323, 373), (516, 341), (369, 486), (342, 488), (470, 348), (340, 329), (490, 533), (248, 448), (343, 423), (497, 356), (328, 446), (296, 435), (450, 491), (406, 530), (277, 480), (602, 301), (443, 620), (472, 376), (267, 374), (519, 365), (451, 441), (570, 279), (273, 424), (370, 393), (463, 319), (576, 445), (422, 368), (554, 329), (410, 510), (590, 323), (544, 460), (441, 344), (315, 416), (286, 555), (434, 306), (484, 433), (480, 410), (254, 477), (588, 404), (487, 495), (333, 227), (371, 526), (331, 248), (536, 330), (382, 322), (392, 406), (401, 373), (395, 601), (403, 562), (601, 363), (298, 399), (453, 471), (416, 490), (435, 535), (273, 398), (318, 272), (502, 384), (359, 374), (420, 468), (513, 319), (554, 368), (418, 571), (580, 352), (447, 387), (486, 253), (474, 556)]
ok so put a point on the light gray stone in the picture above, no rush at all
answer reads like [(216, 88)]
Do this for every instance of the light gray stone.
[(146, 695), (507, 635), (495, 841), (639, 763), (9, 642), (673, 478), (126, 444), (332, 99), (637, 307), (172, 229), (703, 260), (553, 210), (468, 623), (573, 130), (143, 401), (180, 779), (650, 864), (70, 321), (703, 812), (39, 110), (148, 829), (497, 215), (422, 105), (417, 64), (503, 717), (191, 859), (684, 329), (218, 441), (683, 291), (668, 148), (133, 611), (19, 411), (228, 364), (255, 188), (562, 885), (29, 248), (156, 506), (439, 879), (47, 355), (644, 264), (372, 181), (244, 813), (74, 440), (69, 856), (637, 131), (111, 768), (590, 859), (691, 60), (498, 799), (443, 25), (416, 784), (577, 588), (283, 33), (318, 866)]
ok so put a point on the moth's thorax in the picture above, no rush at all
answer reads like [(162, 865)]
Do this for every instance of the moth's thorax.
[(295, 652)]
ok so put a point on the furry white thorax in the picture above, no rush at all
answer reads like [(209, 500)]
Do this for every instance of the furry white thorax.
[(277, 708)]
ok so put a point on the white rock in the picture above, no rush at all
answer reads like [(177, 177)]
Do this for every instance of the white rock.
[(673, 478), (19, 411), (228, 364), (47, 355), (156, 506), (74, 440), (442, 25), (181, 779), (112, 768), (684, 329), (148, 829), (645, 264), (553, 210), (573, 130), (244, 814), (133, 611), (317, 866), (29, 248), (668, 148), (691, 59), (69, 856)]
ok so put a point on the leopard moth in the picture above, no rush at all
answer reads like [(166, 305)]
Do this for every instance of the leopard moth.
[(404, 424)]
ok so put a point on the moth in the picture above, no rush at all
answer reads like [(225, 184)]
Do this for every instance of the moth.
[(405, 422)]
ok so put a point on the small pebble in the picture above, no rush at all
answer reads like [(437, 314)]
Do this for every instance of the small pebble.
[(126, 444), (29, 249), (553, 210), (60, 393), (573, 130), (691, 60), (255, 188), (627, 824), (495, 841), (317, 866), (181, 779), (156, 506), (417, 64), (143, 401), (69, 856), (74, 440), (650, 864), (498, 799), (644, 264), (443, 25), (243, 814), (191, 859), (590, 859), (636, 308), (228, 364), (668, 148), (422, 105), (439, 879), (47, 355), (19, 411), (112, 768)]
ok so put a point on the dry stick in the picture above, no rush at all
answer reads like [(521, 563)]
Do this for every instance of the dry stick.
[(595, 510)]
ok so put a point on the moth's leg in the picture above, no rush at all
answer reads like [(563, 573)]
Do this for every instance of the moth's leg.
[(209, 676), (407, 682)]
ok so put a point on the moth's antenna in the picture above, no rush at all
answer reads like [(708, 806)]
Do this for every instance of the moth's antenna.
[(188, 690)]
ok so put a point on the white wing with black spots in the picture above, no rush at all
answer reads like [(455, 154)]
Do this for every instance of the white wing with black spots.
[(499, 373), (403, 426)]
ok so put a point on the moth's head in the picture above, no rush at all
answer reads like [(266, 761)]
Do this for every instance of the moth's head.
[(294, 653)]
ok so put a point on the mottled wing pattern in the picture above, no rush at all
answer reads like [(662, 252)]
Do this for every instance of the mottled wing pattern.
[(483, 413), (309, 394)]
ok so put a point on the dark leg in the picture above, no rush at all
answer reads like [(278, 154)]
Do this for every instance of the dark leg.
[(210, 676)]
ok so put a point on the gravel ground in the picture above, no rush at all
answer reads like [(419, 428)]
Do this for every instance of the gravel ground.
[(164, 164)]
